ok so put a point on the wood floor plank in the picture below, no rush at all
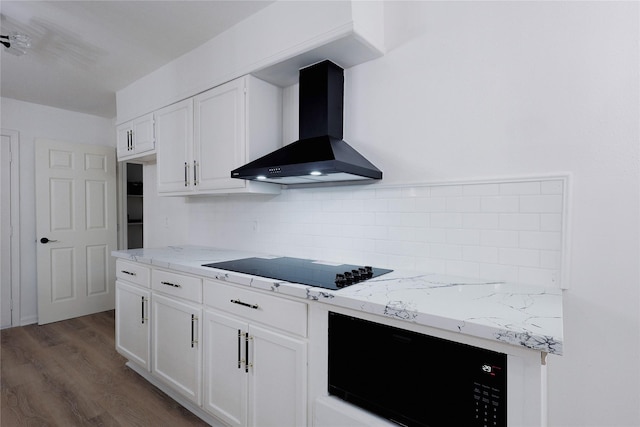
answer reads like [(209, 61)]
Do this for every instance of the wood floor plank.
[(69, 374)]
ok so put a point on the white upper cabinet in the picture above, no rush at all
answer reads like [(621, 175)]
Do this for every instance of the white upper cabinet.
[(136, 138), (174, 152), (200, 140), (219, 133)]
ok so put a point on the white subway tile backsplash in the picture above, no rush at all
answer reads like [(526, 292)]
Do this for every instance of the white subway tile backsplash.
[(499, 272), (480, 221), (496, 230), (551, 222), (500, 204), (538, 276), (445, 251), (445, 220), (528, 222), (433, 204), (402, 205), (520, 188), (500, 239), (463, 236), (550, 259), (463, 268), (484, 254), (463, 204), (552, 187), (519, 257), (540, 240), (481, 189), (541, 204)]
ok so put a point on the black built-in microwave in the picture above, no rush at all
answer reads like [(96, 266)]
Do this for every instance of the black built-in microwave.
[(414, 379)]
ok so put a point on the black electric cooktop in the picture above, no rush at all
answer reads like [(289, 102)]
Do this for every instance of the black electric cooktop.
[(303, 271)]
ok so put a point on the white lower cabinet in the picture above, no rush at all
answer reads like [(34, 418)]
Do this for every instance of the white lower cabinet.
[(255, 375), (177, 354), (132, 323), (226, 352), (133, 328), (225, 393)]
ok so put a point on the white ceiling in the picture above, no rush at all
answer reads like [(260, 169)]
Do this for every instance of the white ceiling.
[(84, 51)]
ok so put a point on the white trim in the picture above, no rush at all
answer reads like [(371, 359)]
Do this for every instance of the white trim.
[(565, 262), (14, 136)]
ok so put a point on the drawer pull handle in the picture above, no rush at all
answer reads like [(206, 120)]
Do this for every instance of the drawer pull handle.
[(128, 272), (237, 301), (171, 284)]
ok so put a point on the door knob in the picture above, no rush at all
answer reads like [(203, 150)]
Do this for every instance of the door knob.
[(45, 240)]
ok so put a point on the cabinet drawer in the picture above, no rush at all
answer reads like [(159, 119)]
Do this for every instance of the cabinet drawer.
[(274, 311), (132, 273), (187, 287)]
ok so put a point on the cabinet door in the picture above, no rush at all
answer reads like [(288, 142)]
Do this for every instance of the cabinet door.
[(143, 137), (132, 323), (125, 140), (177, 356), (278, 380), (225, 385), (174, 140), (219, 135)]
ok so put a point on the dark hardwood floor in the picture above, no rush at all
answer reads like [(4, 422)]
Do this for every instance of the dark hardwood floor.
[(69, 374)]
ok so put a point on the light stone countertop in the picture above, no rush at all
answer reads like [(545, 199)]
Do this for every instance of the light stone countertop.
[(520, 315)]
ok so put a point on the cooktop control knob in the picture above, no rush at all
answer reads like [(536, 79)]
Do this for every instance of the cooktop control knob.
[(348, 277), (356, 276), (369, 271)]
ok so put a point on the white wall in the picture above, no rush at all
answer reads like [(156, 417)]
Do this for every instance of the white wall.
[(498, 89), (37, 121)]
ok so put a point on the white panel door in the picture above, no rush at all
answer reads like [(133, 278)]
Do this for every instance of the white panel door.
[(5, 230), (76, 229)]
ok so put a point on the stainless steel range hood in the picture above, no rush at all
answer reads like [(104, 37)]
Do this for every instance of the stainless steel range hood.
[(320, 155)]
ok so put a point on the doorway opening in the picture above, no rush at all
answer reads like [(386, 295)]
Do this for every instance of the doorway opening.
[(134, 208)]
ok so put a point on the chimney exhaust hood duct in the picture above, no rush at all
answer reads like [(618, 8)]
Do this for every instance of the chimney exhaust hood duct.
[(320, 155)]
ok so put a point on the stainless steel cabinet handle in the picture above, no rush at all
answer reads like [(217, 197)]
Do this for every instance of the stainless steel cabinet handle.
[(195, 174), (239, 349), (194, 340), (237, 301), (143, 318), (186, 174), (175, 285), (246, 352)]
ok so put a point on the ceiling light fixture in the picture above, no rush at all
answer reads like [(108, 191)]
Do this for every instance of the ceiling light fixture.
[(16, 43)]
